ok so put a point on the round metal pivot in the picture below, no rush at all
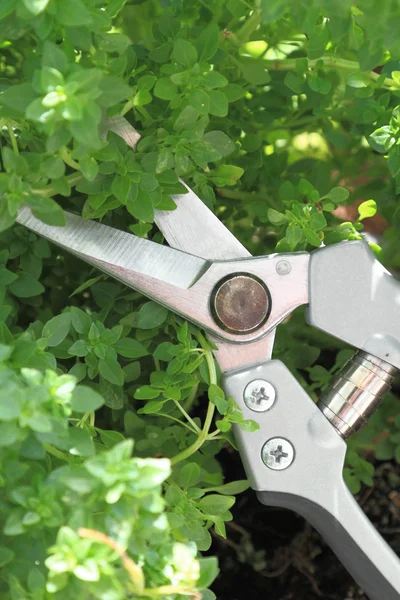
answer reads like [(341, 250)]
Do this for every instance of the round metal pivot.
[(240, 303)]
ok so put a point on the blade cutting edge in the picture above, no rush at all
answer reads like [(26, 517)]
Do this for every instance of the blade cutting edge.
[(107, 248)]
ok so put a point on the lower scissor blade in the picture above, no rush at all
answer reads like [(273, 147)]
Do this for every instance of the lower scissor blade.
[(112, 250)]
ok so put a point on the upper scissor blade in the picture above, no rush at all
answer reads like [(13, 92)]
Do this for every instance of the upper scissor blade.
[(112, 250), (193, 227)]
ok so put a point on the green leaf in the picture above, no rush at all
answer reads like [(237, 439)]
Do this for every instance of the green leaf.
[(207, 42), (214, 504), (254, 72), (218, 103), (317, 221), (72, 13), (189, 475), (146, 392), (26, 286), (184, 53), (54, 167), (111, 370), (294, 81), (385, 450), (311, 237), (81, 443), (120, 187), (200, 100), (186, 118), (382, 139), (208, 571), (234, 487), (140, 205), (36, 6), (367, 209), (249, 425), (6, 556), (57, 329), (338, 195), (318, 41), (358, 80), (165, 89), (89, 167), (85, 399), (234, 92), (151, 315), (272, 10), (114, 90), (130, 348), (220, 141), (275, 217), (54, 57)]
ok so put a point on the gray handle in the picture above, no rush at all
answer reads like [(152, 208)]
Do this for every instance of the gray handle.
[(353, 297), (312, 482), (340, 531)]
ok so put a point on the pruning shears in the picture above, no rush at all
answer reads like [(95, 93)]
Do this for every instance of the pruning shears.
[(295, 459)]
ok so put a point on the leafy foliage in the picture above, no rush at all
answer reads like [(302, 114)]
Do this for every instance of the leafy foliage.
[(277, 114)]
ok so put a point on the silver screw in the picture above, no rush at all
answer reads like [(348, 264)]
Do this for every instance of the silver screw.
[(259, 395), (277, 453), (283, 267)]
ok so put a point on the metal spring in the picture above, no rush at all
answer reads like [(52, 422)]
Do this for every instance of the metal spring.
[(356, 391)]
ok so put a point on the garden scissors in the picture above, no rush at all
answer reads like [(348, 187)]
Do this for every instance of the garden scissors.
[(295, 459)]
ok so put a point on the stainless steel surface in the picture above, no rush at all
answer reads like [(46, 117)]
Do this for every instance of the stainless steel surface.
[(110, 249), (259, 395), (277, 454), (313, 485), (239, 356), (353, 297), (240, 304), (356, 392), (283, 267)]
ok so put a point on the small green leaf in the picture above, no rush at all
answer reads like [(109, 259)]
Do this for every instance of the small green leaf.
[(200, 100), (184, 53), (130, 348), (146, 392), (234, 487), (165, 89), (249, 425), (311, 237), (208, 571), (57, 329), (26, 286), (220, 141), (367, 209), (111, 370), (85, 399), (189, 475), (6, 556), (338, 195), (382, 139), (214, 504), (275, 217), (151, 315), (218, 103), (207, 42), (318, 41), (72, 13), (358, 80)]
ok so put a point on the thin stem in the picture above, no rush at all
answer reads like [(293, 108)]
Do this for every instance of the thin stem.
[(329, 61), (49, 191), (67, 158), (203, 435), (12, 138), (159, 414), (188, 417), (57, 453)]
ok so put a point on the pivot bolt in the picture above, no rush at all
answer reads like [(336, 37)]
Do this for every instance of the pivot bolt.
[(259, 395), (277, 454), (283, 267), (240, 303)]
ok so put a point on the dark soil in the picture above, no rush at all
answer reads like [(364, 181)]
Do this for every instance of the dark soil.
[(273, 554)]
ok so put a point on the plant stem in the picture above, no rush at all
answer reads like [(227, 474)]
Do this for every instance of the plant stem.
[(12, 138), (57, 453), (159, 414), (203, 435), (66, 157), (188, 417), (49, 191), (329, 61)]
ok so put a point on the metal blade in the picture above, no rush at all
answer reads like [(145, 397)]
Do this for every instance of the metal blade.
[(110, 249), (193, 227)]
